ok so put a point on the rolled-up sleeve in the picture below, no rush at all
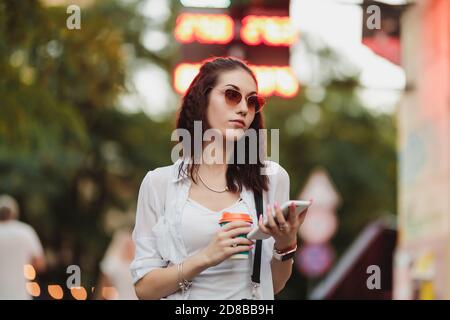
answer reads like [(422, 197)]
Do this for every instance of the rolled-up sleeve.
[(148, 208)]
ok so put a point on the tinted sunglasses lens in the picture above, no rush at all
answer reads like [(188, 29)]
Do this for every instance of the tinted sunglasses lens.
[(232, 97), (256, 102), (262, 102)]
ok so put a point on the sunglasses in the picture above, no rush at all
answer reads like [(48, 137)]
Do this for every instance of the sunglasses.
[(234, 97)]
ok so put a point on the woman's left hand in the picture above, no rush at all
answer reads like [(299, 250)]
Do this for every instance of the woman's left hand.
[(285, 232)]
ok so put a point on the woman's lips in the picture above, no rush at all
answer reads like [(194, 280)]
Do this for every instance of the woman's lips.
[(237, 123)]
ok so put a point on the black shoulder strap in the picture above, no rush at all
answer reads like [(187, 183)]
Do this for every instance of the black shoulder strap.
[(257, 258)]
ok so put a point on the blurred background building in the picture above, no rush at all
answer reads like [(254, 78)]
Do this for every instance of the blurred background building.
[(423, 256)]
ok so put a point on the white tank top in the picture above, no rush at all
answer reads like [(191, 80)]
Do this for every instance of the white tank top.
[(230, 279)]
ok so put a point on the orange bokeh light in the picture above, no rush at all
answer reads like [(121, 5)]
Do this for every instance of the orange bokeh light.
[(79, 293), (33, 289), (287, 84), (204, 28), (55, 291), (183, 75), (272, 80), (29, 272), (268, 30)]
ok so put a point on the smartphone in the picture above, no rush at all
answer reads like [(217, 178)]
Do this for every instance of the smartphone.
[(300, 206)]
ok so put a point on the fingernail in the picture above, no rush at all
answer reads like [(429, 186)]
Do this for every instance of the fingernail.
[(251, 247), (268, 207), (276, 204)]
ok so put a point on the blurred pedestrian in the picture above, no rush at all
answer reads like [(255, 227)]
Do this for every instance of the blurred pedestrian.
[(115, 281), (19, 246)]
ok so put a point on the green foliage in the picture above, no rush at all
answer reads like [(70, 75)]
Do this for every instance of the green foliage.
[(60, 126)]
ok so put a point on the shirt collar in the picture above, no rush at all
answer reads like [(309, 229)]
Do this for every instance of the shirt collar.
[(176, 169)]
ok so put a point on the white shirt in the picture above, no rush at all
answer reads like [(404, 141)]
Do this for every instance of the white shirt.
[(19, 243), (230, 279), (158, 230)]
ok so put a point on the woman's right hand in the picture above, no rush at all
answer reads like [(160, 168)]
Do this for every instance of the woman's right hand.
[(220, 248)]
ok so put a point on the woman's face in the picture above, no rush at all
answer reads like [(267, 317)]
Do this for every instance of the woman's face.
[(231, 120)]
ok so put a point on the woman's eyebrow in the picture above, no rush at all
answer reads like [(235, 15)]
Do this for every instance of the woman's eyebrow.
[(238, 89)]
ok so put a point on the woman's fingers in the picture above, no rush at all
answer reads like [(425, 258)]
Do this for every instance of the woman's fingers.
[(234, 224), (301, 217), (237, 249), (237, 231), (279, 215), (292, 217), (262, 227), (238, 241), (270, 220)]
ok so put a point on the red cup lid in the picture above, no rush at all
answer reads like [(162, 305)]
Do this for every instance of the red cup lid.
[(229, 217)]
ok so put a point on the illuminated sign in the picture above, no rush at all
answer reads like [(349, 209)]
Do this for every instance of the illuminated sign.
[(204, 28), (269, 30), (219, 28), (272, 80), (183, 75), (257, 31)]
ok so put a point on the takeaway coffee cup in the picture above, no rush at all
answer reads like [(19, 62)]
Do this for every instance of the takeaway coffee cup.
[(230, 217)]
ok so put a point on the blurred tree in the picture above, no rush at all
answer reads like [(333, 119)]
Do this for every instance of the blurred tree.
[(66, 152)]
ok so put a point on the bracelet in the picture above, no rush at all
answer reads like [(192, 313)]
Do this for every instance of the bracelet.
[(285, 250), (285, 255), (182, 283)]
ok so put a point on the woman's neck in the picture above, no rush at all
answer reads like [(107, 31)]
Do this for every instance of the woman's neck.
[(215, 158)]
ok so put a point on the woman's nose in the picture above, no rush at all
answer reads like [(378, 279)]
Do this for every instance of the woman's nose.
[(242, 107)]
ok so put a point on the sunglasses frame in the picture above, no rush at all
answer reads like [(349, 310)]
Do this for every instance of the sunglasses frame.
[(258, 97)]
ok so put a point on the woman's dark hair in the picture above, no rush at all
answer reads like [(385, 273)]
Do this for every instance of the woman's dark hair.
[(193, 108)]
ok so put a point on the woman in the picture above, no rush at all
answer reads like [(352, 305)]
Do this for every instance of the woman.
[(181, 250)]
